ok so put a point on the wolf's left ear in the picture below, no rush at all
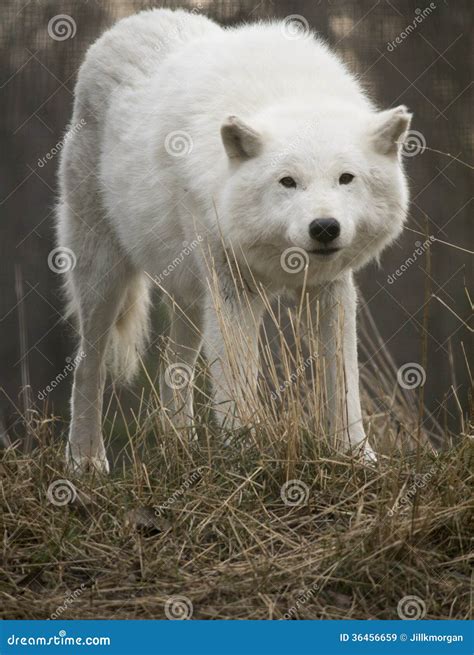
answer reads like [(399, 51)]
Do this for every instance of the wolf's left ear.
[(389, 133), (240, 140)]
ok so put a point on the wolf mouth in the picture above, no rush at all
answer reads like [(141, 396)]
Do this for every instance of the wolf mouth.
[(324, 251)]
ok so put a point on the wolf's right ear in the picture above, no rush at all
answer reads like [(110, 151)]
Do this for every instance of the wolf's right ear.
[(240, 140), (390, 130)]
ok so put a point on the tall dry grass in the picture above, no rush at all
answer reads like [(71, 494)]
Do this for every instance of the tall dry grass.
[(275, 522)]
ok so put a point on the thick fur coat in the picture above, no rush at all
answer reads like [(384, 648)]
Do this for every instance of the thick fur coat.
[(205, 150)]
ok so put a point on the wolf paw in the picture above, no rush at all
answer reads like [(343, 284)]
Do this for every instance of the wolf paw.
[(368, 454), (85, 464)]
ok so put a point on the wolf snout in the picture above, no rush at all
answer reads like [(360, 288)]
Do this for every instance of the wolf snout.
[(324, 230)]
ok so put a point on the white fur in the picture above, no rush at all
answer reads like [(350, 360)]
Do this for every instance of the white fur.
[(285, 108)]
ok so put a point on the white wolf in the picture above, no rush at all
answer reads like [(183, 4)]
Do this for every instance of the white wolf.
[(258, 147)]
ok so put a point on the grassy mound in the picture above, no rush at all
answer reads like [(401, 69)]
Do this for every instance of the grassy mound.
[(219, 533)]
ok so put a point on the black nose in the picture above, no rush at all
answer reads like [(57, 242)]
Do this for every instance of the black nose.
[(324, 230)]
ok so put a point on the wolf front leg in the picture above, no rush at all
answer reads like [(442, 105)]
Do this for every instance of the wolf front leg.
[(333, 311), (231, 328), (177, 370)]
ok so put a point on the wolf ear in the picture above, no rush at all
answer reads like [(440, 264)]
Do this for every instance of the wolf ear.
[(240, 140), (389, 132)]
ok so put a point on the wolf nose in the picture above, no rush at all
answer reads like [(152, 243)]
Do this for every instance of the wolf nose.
[(324, 230)]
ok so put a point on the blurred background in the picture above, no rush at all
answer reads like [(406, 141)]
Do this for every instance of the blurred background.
[(403, 52)]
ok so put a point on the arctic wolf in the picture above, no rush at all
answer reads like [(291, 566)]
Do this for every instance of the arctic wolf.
[(234, 162)]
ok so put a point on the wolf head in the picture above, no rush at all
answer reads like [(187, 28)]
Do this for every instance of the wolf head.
[(326, 187)]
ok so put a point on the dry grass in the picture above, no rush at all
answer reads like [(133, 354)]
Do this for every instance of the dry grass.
[(211, 523), (229, 543)]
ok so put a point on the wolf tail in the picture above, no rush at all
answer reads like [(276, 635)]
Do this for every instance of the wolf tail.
[(129, 335)]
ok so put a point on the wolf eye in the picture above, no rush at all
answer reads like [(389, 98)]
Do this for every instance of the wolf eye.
[(346, 178), (288, 182)]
